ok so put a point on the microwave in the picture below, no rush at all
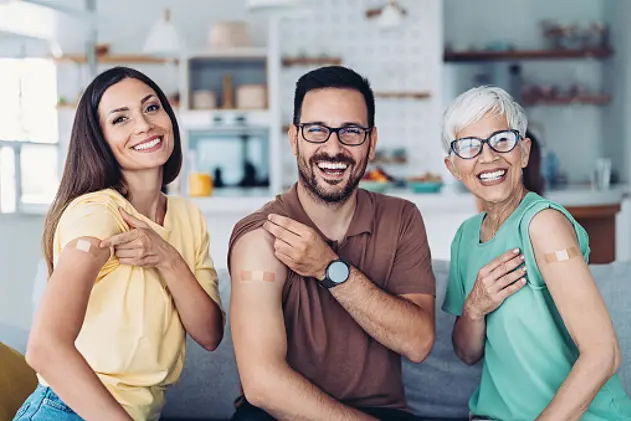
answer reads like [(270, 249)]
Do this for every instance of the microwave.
[(235, 157)]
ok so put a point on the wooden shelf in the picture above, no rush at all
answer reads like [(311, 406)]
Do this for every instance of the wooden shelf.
[(585, 100), (311, 61), (473, 56), (401, 95), (113, 58)]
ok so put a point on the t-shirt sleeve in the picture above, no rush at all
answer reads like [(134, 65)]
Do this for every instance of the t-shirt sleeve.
[(455, 295), (412, 269), (204, 266), (90, 216)]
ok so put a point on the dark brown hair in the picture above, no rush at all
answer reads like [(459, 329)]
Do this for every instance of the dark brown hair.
[(90, 164)]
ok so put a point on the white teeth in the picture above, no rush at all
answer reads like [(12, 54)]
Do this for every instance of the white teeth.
[(148, 145), (492, 176), (332, 166)]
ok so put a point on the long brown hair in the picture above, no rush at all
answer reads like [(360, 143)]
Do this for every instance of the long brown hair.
[(90, 164)]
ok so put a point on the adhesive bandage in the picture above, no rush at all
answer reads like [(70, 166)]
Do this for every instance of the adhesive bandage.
[(257, 275), (83, 245), (562, 255)]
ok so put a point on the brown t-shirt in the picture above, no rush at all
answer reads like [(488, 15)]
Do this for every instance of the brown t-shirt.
[(386, 241)]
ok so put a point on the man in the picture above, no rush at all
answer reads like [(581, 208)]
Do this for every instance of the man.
[(330, 283)]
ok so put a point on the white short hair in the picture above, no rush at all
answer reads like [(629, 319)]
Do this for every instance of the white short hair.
[(473, 105)]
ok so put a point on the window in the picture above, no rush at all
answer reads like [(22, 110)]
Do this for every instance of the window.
[(29, 163)]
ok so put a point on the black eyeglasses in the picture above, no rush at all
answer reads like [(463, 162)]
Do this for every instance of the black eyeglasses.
[(502, 141), (348, 135)]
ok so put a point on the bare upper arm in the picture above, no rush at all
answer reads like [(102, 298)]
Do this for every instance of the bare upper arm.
[(570, 281), (256, 313), (63, 305)]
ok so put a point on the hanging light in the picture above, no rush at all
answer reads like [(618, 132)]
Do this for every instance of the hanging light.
[(273, 5), (391, 16), (163, 38)]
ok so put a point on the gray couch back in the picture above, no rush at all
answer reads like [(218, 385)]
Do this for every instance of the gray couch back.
[(439, 387)]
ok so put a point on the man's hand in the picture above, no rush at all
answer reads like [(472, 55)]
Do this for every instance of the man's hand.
[(141, 246), (299, 247), (495, 283)]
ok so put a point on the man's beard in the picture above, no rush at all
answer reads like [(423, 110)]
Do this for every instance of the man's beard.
[(307, 175)]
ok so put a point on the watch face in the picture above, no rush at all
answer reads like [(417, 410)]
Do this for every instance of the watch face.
[(338, 272)]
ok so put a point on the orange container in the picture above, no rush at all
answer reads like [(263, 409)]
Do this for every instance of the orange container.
[(200, 185)]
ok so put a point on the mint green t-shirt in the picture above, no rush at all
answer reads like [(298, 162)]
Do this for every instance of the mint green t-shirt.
[(528, 352)]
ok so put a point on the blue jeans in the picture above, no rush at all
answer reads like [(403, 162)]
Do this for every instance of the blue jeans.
[(45, 405)]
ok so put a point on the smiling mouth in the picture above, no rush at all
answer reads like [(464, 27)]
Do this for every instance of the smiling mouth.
[(492, 177), (334, 169), (149, 145)]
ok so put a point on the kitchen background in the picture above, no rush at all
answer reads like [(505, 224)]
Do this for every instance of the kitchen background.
[(231, 78)]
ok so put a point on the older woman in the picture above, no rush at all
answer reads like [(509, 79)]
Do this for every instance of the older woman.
[(519, 282)]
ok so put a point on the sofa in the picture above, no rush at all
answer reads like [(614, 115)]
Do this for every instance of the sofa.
[(437, 389)]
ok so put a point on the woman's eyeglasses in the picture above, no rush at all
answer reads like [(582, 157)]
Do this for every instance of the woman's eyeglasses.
[(348, 135), (502, 141)]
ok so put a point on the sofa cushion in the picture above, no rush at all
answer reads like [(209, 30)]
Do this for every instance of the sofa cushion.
[(209, 383), (17, 381), (440, 386), (613, 283)]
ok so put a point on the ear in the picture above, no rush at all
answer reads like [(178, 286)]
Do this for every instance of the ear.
[(451, 167), (293, 138), (372, 137), (525, 145)]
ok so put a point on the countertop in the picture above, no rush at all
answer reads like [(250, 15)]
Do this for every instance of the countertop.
[(451, 198)]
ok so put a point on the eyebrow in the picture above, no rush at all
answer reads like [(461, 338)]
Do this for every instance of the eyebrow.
[(345, 124), (142, 101)]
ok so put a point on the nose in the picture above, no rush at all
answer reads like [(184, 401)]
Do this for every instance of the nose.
[(487, 155), (333, 146), (142, 125)]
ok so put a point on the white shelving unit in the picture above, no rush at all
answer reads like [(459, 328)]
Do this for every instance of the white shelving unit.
[(195, 120)]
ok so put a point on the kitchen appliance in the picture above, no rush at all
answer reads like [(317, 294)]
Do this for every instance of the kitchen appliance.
[(236, 157)]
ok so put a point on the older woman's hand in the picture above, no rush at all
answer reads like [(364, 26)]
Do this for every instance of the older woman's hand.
[(496, 281), (141, 246)]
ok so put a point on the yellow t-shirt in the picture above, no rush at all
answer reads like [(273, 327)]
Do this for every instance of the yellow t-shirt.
[(132, 336)]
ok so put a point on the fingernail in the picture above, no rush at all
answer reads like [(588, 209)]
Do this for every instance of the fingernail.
[(522, 257), (523, 269), (523, 280), (516, 251)]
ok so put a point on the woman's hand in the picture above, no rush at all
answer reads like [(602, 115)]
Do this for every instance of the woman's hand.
[(141, 246), (496, 281)]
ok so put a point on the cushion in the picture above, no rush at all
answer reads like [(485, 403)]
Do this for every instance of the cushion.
[(209, 383), (17, 381), (440, 386)]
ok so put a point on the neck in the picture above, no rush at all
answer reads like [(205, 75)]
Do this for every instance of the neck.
[(498, 213), (143, 192), (332, 219)]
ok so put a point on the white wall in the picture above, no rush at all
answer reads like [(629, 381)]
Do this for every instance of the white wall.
[(406, 59), (20, 251), (575, 133)]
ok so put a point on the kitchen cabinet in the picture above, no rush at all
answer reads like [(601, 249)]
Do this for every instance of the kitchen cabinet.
[(600, 224)]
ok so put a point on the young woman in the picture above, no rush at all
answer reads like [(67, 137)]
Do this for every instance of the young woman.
[(129, 267)]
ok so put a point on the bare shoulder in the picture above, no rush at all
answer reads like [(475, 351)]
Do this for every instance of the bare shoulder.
[(550, 225), (254, 251)]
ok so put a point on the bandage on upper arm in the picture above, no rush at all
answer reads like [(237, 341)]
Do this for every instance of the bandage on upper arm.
[(89, 246), (257, 276), (561, 255)]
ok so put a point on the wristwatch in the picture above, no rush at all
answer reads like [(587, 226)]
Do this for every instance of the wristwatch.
[(336, 273)]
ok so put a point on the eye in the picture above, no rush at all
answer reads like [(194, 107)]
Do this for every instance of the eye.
[(153, 107), (352, 130), (119, 119), (316, 129)]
